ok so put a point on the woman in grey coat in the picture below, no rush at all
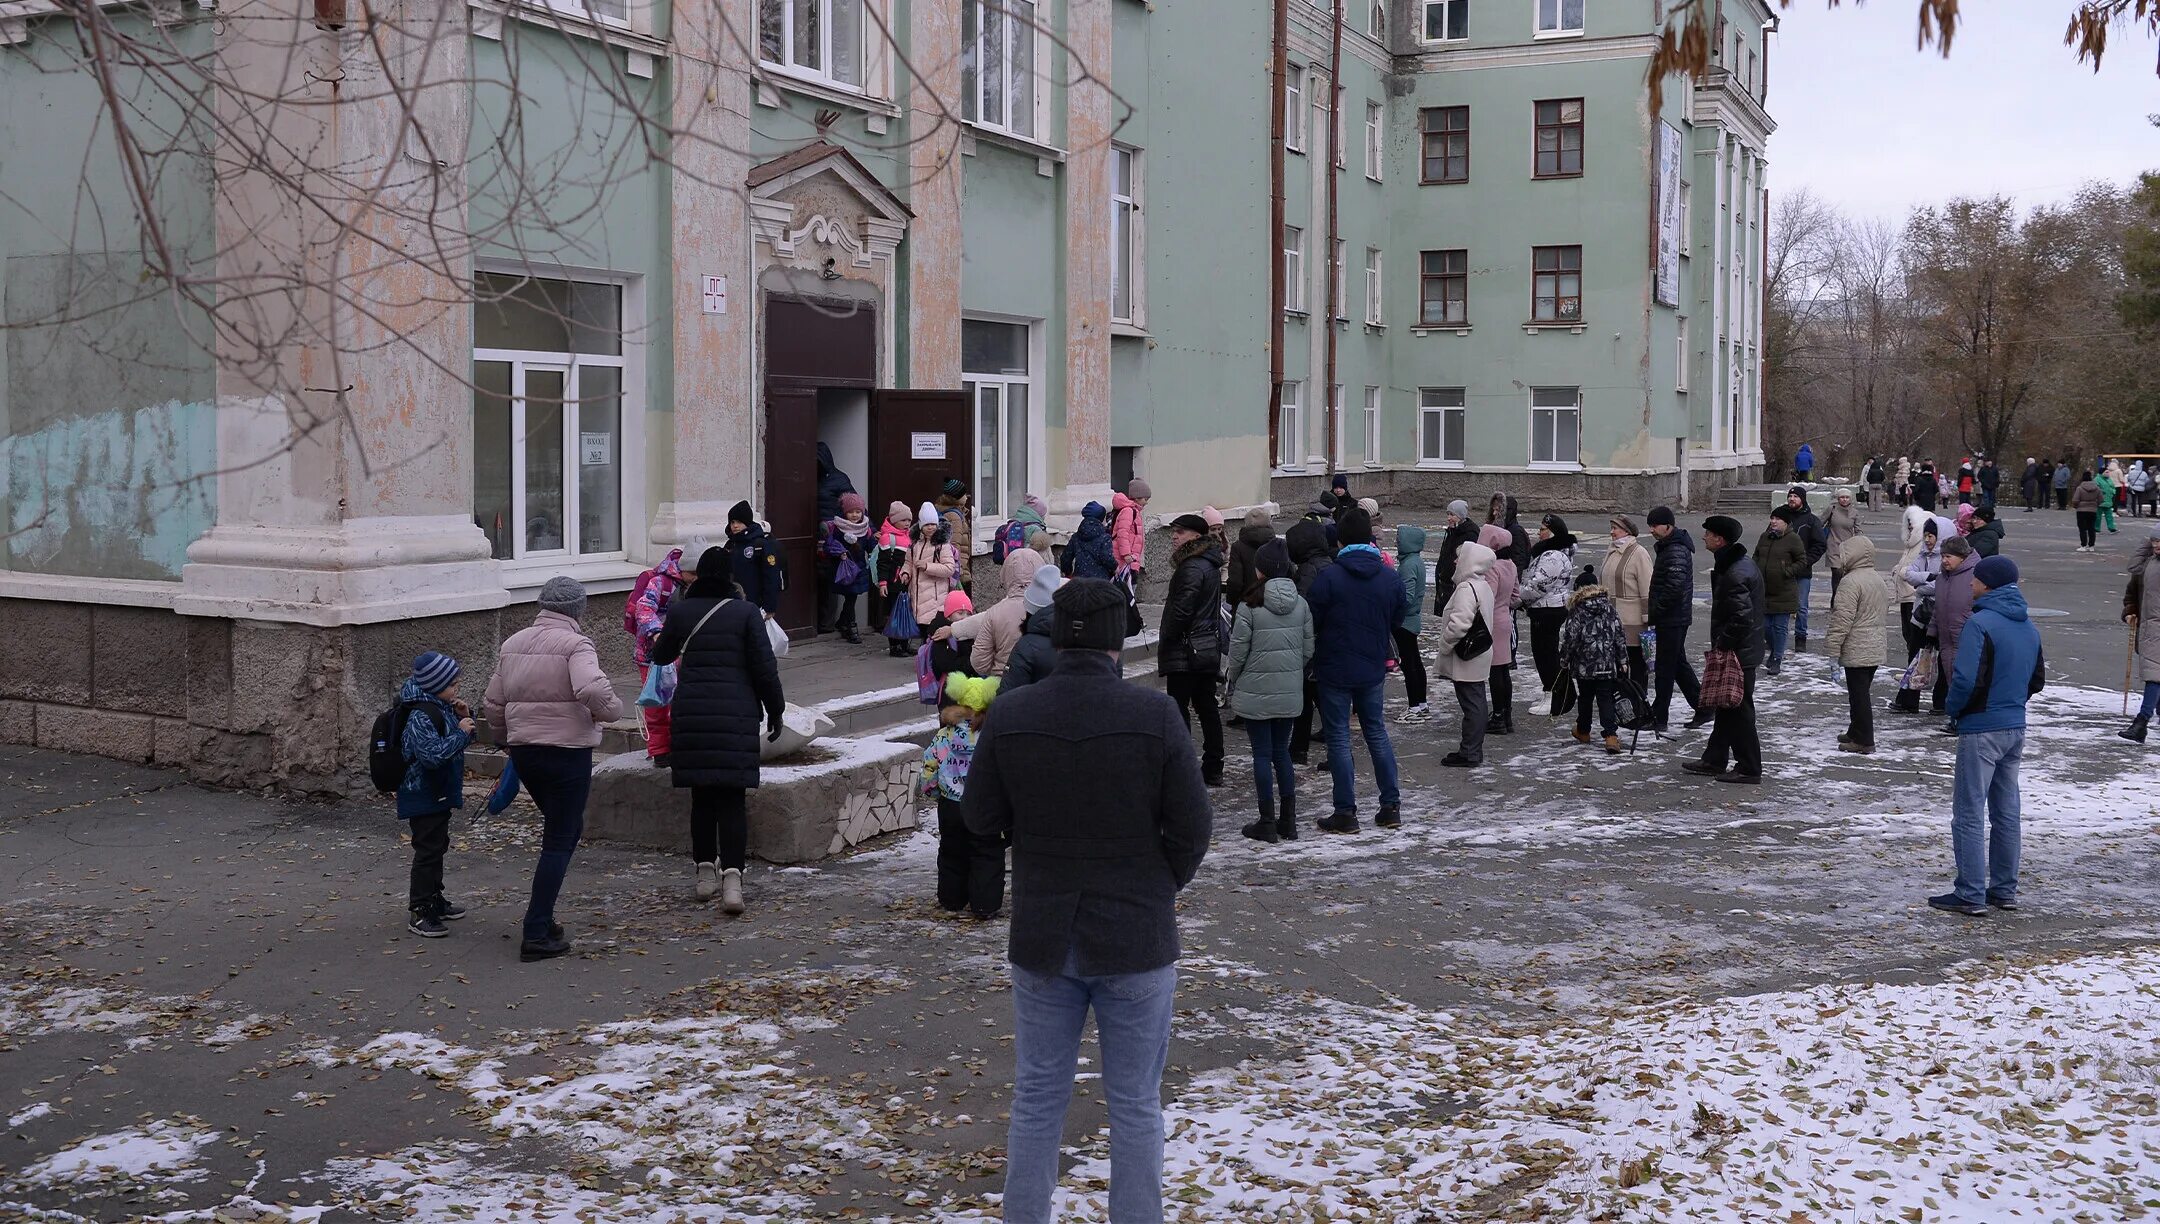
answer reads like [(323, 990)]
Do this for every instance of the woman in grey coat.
[(1271, 645), (2141, 611), (1841, 524)]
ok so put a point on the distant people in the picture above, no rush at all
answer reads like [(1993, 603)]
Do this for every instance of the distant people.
[(1857, 609), (1926, 488), (955, 508), (2062, 485), (2033, 485), (1310, 553), (1736, 625), (1842, 524), (549, 701), (1465, 654), (2141, 611), (1356, 603), (889, 577), (1803, 464), (1592, 646), (1087, 554), (1953, 607), (1543, 594), (1923, 570), (1271, 648), (2085, 501), (1020, 530), (1098, 858), (1256, 532), (1672, 614), (1460, 531), (1990, 478), (1814, 541), (833, 485), (1901, 480), (845, 552), (2139, 481), (933, 567), (2109, 482), (752, 559), (729, 683), (433, 727), (1877, 476), (1035, 654), (1189, 655), (2000, 667)]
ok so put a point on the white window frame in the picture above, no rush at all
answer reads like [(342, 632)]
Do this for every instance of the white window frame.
[(1455, 30), (1341, 124), (523, 564), (1372, 426), (1574, 411), (1293, 255), (1375, 286), (1375, 139), (1432, 402), (1036, 461), (1687, 216), (1340, 253), (577, 10), (1559, 11), (1128, 213), (1290, 428), (1336, 409), (1039, 50), (868, 23), (1294, 108), (1376, 20), (1680, 356)]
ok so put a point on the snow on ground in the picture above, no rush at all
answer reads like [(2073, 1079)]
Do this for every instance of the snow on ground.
[(163, 1151)]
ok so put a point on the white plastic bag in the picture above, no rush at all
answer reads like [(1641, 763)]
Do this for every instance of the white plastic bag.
[(777, 636)]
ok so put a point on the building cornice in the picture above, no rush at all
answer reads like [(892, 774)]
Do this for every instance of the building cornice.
[(1718, 101), (1521, 55)]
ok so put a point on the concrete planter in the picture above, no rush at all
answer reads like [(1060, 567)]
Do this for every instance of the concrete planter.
[(852, 791)]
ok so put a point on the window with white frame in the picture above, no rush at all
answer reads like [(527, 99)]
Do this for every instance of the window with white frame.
[(1446, 20), (1687, 216), (1376, 20), (1293, 268), (1556, 17), (820, 39), (1294, 108), (1127, 272), (1341, 274), (1341, 449), (998, 41), (548, 416), (1337, 121), (1372, 426), (995, 372), (1680, 356), (1374, 297), (1290, 427), (1556, 426), (1440, 424), (616, 13), (1375, 139)]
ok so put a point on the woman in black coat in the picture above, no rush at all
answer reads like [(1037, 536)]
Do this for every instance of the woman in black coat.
[(728, 683)]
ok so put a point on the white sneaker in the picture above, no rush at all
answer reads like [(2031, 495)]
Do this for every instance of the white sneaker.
[(731, 901), (1419, 711), (708, 880)]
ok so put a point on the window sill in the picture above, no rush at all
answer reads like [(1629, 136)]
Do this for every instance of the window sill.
[(1441, 465), (1297, 313), (1375, 327), (1573, 328), (1291, 148), (1535, 466), (643, 48), (1442, 42), (1137, 331), (1461, 182), (1424, 329), (1544, 35), (529, 575), (1554, 178), (771, 78), (1373, 178), (1287, 471), (1021, 144)]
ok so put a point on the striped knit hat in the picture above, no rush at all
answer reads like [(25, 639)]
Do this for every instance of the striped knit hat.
[(434, 671)]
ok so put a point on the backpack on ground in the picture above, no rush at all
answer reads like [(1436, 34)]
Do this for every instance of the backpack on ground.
[(386, 746), (1011, 537)]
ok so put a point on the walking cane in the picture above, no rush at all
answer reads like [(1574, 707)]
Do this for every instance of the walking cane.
[(2129, 662)]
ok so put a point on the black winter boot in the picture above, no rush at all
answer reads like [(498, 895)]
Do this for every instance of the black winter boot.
[(1263, 829), (2135, 732), (1286, 823)]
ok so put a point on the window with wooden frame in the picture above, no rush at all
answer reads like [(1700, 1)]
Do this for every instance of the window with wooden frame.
[(1444, 133), (1293, 263), (1560, 138), (1294, 108), (1340, 276), (1444, 288), (1556, 284)]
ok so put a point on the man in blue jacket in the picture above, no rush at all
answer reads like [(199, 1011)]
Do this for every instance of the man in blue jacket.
[(1356, 604), (1999, 667)]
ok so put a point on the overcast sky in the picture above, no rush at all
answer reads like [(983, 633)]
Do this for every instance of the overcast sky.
[(1875, 126)]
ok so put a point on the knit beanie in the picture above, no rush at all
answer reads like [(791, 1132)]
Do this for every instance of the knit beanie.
[(1996, 572), (1211, 516), (1459, 508), (927, 514), (899, 515), (957, 604), (563, 594), (1258, 517), (1355, 528), (1725, 527), (1661, 516), (1041, 587), (1785, 515), (1091, 614), (1327, 502), (1371, 507), (1957, 546), (434, 671), (1137, 489), (1273, 560), (851, 503), (955, 489), (1625, 524), (740, 512)]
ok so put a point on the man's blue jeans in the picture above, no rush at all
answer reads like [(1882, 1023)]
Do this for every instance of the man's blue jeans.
[(1807, 588), (1132, 1025), (1775, 625), (1984, 815), (1336, 705)]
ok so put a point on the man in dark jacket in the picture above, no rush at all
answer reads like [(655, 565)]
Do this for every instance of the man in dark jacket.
[(753, 560), (1990, 480), (1781, 560), (1815, 541), (1034, 656), (831, 483), (1190, 653), (1099, 854), (1672, 611), (1255, 535), (1310, 553), (1986, 535), (1736, 624), (1356, 604), (1519, 550), (1999, 667), (2031, 484), (1460, 531)]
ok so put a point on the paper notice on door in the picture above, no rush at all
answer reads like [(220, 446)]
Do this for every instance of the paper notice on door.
[(596, 449), (926, 446)]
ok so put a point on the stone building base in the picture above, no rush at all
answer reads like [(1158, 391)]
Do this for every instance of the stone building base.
[(237, 703), (1427, 491)]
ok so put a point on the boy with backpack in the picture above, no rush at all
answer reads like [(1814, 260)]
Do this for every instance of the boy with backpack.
[(420, 742), (643, 614)]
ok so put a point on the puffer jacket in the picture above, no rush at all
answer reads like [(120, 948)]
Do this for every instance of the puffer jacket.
[(1035, 656), (1503, 581), (997, 630), (1672, 583), (1128, 538), (1736, 605), (1270, 648), (1999, 667), (1913, 538), (434, 748), (1309, 552), (2086, 496), (1087, 554), (1410, 563), (932, 574), (1356, 604), (1953, 606), (831, 483), (1782, 558), (1552, 573), (1859, 608), (1192, 612), (727, 692), (1986, 539), (1842, 524), (1626, 575), (1471, 599), (1591, 639), (958, 520), (548, 687), (1237, 580), (1444, 569), (649, 607)]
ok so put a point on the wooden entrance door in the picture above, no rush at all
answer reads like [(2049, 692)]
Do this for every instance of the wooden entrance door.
[(808, 344), (918, 441)]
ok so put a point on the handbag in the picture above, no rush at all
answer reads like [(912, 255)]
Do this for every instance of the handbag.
[(1477, 640), (1563, 694), (1134, 626), (1724, 686), (659, 687), (1920, 673), (1923, 612)]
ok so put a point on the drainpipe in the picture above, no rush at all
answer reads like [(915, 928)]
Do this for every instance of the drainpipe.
[(1279, 73), (1334, 233)]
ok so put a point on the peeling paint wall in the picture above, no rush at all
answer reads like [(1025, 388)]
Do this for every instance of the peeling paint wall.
[(119, 494)]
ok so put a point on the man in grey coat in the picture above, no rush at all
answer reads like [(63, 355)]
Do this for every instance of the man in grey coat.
[(1097, 784)]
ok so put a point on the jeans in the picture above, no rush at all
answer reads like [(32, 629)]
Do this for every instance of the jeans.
[(1674, 670), (1272, 771), (2151, 701), (1545, 626), (1807, 588), (1132, 1025), (430, 841), (719, 824), (1601, 690), (1476, 713), (970, 866), (1336, 705), (2088, 534), (1775, 625), (1986, 797), (1197, 690), (558, 779), (1859, 708), (1733, 734), (1413, 665)]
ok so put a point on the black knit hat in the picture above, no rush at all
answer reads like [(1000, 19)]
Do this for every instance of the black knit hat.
[(1355, 527), (1273, 559), (1724, 527), (1090, 614), (1785, 515), (740, 512), (1661, 516)]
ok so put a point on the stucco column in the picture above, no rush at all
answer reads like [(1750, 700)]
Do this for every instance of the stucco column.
[(934, 194), (344, 404), (713, 452), (1087, 259)]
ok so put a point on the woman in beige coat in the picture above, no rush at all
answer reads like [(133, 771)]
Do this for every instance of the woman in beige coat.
[(1626, 576), (1468, 603), (1857, 612)]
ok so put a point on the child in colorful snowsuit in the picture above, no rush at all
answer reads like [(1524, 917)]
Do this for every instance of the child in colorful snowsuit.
[(970, 866)]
